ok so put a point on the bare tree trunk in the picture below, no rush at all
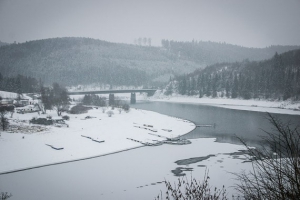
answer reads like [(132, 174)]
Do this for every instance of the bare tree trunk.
[(275, 166), (3, 120)]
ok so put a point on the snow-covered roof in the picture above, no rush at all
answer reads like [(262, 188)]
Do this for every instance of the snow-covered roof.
[(8, 95)]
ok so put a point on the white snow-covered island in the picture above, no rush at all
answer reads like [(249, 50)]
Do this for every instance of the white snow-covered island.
[(43, 145)]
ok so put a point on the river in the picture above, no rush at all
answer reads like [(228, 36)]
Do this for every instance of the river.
[(138, 173), (228, 124)]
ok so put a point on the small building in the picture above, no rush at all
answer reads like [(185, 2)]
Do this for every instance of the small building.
[(29, 109), (6, 101), (21, 102), (24, 102)]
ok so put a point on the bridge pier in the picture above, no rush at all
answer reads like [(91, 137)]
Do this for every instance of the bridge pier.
[(111, 99), (132, 98)]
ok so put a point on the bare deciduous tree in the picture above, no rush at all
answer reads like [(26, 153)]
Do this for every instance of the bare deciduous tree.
[(140, 41), (275, 170), (110, 113), (276, 165), (3, 119), (192, 189), (5, 195), (60, 98)]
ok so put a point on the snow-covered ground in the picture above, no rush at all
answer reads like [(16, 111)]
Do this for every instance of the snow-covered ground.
[(283, 107), (30, 151), (134, 174), (25, 149)]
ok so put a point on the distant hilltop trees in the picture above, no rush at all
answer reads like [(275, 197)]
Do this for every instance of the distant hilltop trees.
[(210, 53), (3, 43), (143, 41)]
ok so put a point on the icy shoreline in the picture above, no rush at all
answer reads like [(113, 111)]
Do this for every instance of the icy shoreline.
[(32, 151), (279, 107)]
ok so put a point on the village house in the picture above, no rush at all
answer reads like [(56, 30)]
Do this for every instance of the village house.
[(6, 101)]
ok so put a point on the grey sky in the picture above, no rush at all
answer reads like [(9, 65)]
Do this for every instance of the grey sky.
[(251, 23)]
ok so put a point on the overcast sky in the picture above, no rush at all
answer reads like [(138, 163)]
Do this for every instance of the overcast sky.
[(251, 23)]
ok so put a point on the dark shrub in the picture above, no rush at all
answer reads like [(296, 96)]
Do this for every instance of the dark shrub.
[(66, 117), (126, 107), (79, 109), (7, 108), (3, 119), (42, 121), (93, 99)]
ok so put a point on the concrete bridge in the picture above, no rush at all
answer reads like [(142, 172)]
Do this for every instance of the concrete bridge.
[(150, 92)]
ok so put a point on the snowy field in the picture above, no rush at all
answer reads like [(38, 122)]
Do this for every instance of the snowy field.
[(282, 107), (24, 150), (31, 151)]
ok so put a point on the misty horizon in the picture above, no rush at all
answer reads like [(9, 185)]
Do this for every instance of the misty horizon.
[(248, 24)]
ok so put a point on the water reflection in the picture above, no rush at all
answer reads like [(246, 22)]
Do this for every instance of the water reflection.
[(230, 123)]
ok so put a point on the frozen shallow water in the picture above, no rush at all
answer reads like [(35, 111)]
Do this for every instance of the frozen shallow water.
[(134, 174)]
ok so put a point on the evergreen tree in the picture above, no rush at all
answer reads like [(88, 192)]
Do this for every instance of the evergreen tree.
[(193, 86), (288, 90), (18, 86), (182, 86), (227, 94), (234, 91), (214, 86), (169, 89), (87, 100), (278, 72), (246, 89)]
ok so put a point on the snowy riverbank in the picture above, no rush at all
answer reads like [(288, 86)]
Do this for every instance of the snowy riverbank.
[(282, 107), (18, 153), (32, 151)]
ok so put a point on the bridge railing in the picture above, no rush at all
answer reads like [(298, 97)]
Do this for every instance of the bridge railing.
[(150, 92)]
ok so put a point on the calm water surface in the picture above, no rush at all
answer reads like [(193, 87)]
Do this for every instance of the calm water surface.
[(229, 123)]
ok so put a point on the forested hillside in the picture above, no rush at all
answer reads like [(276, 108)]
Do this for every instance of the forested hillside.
[(19, 84), (276, 78), (82, 60), (3, 43), (208, 53), (72, 61)]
